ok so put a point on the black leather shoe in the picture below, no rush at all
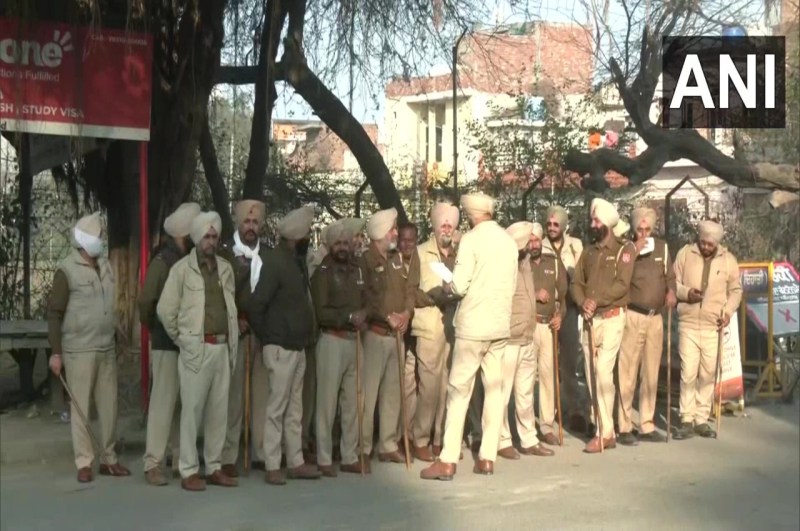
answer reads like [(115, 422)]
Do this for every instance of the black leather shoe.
[(627, 439), (685, 431), (704, 430), (653, 436)]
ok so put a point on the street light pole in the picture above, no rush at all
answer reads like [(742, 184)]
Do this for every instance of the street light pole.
[(455, 114)]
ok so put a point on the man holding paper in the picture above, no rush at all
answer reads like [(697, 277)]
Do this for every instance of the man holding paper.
[(437, 259), (485, 275), (652, 289)]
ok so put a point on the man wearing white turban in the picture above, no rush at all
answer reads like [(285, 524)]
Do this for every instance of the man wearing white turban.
[(600, 289), (520, 344), (81, 324), (429, 327), (282, 316), (568, 251), (244, 253), (709, 292), (162, 420), (337, 289), (485, 275), (198, 310), (652, 289), (390, 292)]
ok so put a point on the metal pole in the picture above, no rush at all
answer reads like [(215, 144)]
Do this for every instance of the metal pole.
[(144, 259), (26, 194), (455, 113)]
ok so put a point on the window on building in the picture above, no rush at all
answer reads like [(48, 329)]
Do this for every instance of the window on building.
[(439, 131)]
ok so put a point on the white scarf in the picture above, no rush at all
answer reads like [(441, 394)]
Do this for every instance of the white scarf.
[(91, 244), (240, 249)]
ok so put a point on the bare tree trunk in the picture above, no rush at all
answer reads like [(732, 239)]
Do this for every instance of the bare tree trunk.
[(216, 183)]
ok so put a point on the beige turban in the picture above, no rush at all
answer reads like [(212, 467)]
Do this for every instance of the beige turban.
[(560, 214), (337, 231), (538, 231), (87, 234), (203, 223), (380, 223), (354, 225), (247, 207), (477, 203), (444, 212), (91, 225), (710, 230), (296, 224), (643, 213), (179, 223), (605, 212), (621, 229), (521, 232)]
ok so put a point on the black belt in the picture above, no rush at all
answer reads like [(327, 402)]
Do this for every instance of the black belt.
[(642, 310)]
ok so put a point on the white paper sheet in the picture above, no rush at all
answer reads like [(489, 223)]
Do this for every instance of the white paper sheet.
[(442, 272), (649, 247)]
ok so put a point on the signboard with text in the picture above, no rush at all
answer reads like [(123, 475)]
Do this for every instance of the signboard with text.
[(62, 79), (785, 297)]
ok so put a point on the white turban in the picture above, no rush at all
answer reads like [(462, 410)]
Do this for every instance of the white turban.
[(605, 212), (249, 206), (640, 214), (477, 203), (203, 223), (444, 212), (521, 232), (335, 232), (560, 214), (296, 224), (87, 234), (710, 230), (538, 231), (621, 229), (179, 223), (380, 223)]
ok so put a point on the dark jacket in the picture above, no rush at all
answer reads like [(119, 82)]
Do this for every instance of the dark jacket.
[(280, 311), (154, 282)]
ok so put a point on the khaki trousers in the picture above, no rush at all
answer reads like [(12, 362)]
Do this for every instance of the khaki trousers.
[(259, 391), (410, 387), (569, 353), (432, 357), (468, 358), (204, 399), (639, 357), (163, 413), (698, 351), (381, 387), (284, 413), (230, 452), (336, 385), (511, 362), (309, 396), (607, 339), (542, 358), (93, 375)]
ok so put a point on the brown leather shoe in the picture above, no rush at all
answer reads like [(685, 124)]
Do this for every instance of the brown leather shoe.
[(538, 450), (305, 471), (593, 446), (484, 467), (392, 457), (436, 449), (85, 475), (155, 477), (355, 468), (193, 483), (230, 471), (423, 453), (509, 452), (220, 479), (275, 477), (439, 470), (551, 439), (328, 471), (114, 470)]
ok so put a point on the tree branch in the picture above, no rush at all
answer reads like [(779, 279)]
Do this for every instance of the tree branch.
[(216, 183)]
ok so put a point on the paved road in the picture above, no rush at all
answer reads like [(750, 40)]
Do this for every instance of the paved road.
[(748, 479)]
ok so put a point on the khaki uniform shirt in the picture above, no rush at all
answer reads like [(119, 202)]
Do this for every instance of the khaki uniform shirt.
[(338, 291), (216, 314), (603, 274), (549, 274), (389, 288), (652, 276)]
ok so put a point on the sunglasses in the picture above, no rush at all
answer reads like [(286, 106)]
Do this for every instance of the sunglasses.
[(553, 224)]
